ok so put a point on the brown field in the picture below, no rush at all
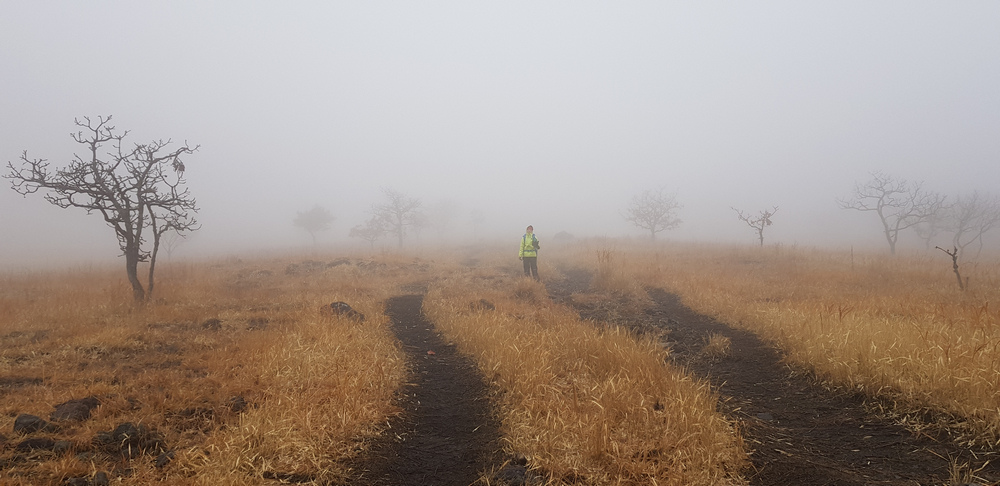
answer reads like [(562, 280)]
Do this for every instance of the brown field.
[(582, 402)]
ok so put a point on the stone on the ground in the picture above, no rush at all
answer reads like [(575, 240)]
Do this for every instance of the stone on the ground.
[(74, 410), (28, 424)]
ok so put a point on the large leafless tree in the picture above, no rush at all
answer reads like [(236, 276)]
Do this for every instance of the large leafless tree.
[(972, 216), (138, 189), (758, 222), (653, 211), (399, 212), (898, 204)]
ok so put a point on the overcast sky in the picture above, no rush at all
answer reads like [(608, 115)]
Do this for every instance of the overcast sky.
[(546, 113)]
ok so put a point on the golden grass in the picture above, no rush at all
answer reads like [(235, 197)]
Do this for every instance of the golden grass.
[(318, 386), (586, 406), (897, 328)]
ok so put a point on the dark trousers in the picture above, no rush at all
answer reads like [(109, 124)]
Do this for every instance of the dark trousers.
[(530, 267)]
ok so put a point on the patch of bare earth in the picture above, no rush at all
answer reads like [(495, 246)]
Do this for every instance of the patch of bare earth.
[(798, 431), (448, 433)]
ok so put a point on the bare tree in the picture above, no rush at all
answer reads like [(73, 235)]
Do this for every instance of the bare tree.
[(371, 231), (653, 210), (134, 189), (399, 213), (898, 204), (973, 216), (953, 253), (759, 222), (315, 220), (933, 226)]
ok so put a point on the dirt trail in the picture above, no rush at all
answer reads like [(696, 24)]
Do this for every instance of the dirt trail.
[(798, 432), (448, 434)]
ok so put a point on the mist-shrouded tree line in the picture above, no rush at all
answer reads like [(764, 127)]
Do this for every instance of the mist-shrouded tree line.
[(139, 190), (901, 205)]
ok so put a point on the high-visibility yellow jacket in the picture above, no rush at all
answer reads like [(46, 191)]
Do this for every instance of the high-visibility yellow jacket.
[(528, 246)]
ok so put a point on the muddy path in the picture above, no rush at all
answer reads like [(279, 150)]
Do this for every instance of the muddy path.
[(448, 434), (797, 431)]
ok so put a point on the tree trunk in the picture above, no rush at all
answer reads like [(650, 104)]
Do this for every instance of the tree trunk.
[(152, 263), (132, 269)]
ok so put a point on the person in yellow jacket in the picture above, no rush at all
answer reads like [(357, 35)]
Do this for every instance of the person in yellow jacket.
[(529, 253)]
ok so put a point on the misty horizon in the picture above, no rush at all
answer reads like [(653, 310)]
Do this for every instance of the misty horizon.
[(553, 115)]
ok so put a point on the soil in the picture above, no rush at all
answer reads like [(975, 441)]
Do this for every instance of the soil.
[(797, 431), (448, 434)]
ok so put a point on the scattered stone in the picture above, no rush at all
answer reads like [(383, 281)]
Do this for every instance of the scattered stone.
[(482, 305), (338, 262), (237, 404), (306, 267), (37, 443), (75, 410), (101, 479), (27, 424), (257, 324), (212, 324), (62, 446), (342, 309), (77, 482), (512, 475), (130, 440), (765, 417), (163, 459)]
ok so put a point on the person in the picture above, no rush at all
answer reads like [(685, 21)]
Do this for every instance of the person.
[(529, 253)]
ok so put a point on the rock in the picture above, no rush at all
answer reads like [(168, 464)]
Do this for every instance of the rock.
[(38, 443), (512, 475), (75, 410), (765, 417), (101, 479), (257, 324), (27, 424), (77, 482), (62, 446), (482, 305), (212, 324), (130, 440), (163, 459), (237, 404), (342, 309)]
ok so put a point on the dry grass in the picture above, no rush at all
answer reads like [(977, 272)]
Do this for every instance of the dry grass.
[(317, 386), (897, 328), (586, 406)]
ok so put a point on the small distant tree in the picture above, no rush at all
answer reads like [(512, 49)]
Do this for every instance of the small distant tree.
[(898, 204), (399, 212), (139, 190), (373, 230), (654, 211), (973, 216), (933, 226), (315, 220), (758, 222)]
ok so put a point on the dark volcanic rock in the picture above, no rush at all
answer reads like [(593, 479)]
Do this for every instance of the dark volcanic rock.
[(35, 444), (212, 324), (342, 309), (130, 440), (75, 410), (27, 424)]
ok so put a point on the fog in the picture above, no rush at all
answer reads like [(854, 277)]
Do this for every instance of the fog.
[(546, 113)]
